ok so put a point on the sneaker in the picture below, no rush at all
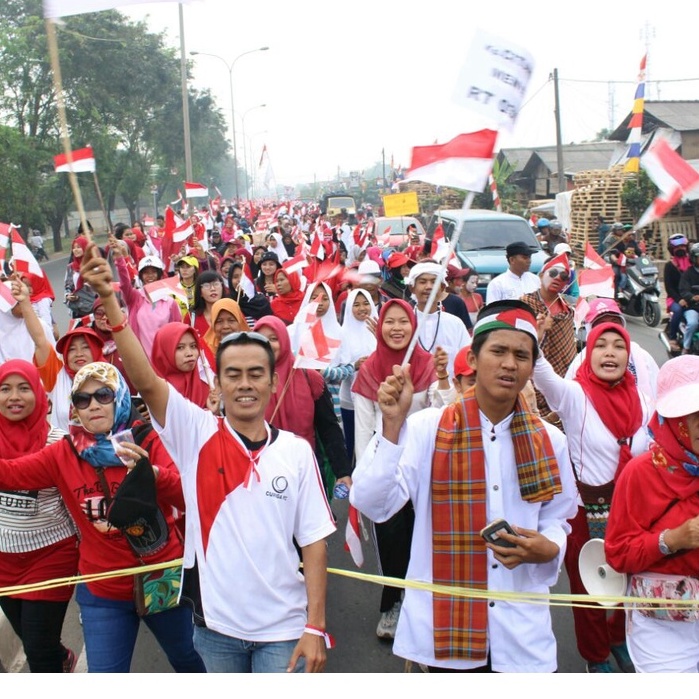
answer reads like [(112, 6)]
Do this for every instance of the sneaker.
[(69, 661), (600, 667), (387, 623), (622, 657)]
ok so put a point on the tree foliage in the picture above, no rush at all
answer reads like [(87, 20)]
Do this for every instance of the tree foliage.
[(123, 96), (638, 193)]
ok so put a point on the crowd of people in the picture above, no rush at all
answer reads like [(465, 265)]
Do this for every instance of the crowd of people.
[(438, 410)]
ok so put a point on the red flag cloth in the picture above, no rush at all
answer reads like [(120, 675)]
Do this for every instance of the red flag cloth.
[(353, 540), (596, 282), (22, 258), (464, 162), (194, 189), (592, 260), (438, 240), (83, 161)]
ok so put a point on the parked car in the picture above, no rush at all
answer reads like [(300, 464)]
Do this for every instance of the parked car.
[(483, 237), (396, 227)]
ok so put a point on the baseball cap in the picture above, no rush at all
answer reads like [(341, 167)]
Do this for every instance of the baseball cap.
[(561, 248), (461, 367), (602, 306), (397, 259), (188, 260), (456, 272), (369, 267), (678, 386), (151, 261)]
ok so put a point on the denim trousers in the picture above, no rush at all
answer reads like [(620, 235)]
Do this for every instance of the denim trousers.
[(691, 318), (228, 654), (110, 628), (677, 315)]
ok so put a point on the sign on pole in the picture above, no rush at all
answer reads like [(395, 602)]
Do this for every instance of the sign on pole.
[(403, 204)]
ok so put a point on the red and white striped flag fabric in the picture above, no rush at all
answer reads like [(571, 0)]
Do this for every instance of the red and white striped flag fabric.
[(7, 300), (675, 177), (592, 260), (582, 308), (317, 249), (596, 282), (316, 349), (353, 539), (295, 264), (83, 161), (464, 162), (5, 233), (22, 258), (194, 189), (179, 229), (164, 288), (360, 236)]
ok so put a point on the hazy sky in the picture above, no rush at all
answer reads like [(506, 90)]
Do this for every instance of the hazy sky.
[(341, 81)]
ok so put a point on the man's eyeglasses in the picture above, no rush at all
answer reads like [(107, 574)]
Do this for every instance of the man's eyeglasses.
[(553, 273), (82, 400)]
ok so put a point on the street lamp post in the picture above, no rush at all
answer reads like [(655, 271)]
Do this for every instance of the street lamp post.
[(245, 150), (230, 81)]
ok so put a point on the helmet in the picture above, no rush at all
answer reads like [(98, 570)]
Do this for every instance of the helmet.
[(151, 261), (543, 223), (676, 241), (557, 225), (694, 251)]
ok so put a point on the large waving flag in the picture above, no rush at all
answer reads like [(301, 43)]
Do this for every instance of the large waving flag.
[(592, 259), (83, 161), (5, 233), (596, 282), (633, 155), (675, 178), (464, 162), (22, 258), (316, 349)]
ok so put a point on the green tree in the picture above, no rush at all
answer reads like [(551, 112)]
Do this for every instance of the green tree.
[(638, 193)]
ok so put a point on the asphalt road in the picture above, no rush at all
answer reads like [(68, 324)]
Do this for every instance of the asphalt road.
[(352, 604)]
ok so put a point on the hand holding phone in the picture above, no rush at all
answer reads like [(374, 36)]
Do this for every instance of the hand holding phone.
[(491, 533)]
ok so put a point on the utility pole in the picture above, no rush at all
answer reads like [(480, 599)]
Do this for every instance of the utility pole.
[(383, 168), (185, 104), (559, 144)]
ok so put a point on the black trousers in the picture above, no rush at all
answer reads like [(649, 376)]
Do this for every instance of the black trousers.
[(393, 539), (39, 625)]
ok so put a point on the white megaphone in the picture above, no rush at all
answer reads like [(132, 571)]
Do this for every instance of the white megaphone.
[(598, 577)]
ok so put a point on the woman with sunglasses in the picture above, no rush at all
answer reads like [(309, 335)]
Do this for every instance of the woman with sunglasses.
[(81, 467), (558, 344), (605, 418), (37, 535), (208, 288)]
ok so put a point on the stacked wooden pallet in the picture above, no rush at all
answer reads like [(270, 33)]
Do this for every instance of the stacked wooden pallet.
[(431, 199)]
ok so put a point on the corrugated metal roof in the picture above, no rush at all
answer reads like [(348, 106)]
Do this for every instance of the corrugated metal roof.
[(680, 115), (576, 157)]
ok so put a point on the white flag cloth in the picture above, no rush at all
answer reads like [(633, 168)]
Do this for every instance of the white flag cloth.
[(83, 161)]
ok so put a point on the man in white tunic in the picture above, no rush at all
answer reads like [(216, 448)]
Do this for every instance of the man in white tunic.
[(463, 466), (517, 280)]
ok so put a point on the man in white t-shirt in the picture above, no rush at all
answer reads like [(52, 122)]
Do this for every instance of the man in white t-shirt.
[(251, 491), (517, 280)]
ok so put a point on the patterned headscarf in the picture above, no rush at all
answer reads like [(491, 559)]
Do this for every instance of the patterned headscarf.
[(97, 449)]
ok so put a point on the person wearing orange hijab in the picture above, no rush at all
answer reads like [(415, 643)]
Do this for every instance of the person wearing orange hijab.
[(226, 317)]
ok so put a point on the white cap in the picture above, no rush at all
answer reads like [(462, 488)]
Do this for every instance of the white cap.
[(561, 248), (151, 261), (369, 267)]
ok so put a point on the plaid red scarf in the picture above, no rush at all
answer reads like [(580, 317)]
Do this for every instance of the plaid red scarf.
[(459, 514)]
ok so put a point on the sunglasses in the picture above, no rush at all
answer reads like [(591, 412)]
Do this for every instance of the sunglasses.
[(553, 273), (82, 400), (234, 337)]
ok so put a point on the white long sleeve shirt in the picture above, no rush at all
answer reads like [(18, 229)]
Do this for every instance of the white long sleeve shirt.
[(509, 286), (520, 637)]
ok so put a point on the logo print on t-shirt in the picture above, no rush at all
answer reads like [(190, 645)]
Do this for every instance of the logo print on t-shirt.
[(280, 484)]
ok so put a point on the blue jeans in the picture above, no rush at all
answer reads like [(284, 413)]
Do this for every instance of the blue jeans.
[(691, 318), (110, 628), (677, 314), (227, 654)]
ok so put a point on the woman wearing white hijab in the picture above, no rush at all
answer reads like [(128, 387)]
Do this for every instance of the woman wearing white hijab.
[(357, 342), (275, 244)]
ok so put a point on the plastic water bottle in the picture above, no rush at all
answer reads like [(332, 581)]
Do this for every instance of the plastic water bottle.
[(340, 491)]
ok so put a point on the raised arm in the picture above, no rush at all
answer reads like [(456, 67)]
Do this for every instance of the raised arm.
[(154, 390), (31, 320)]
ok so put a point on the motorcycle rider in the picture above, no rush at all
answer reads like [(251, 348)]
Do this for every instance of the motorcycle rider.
[(689, 283), (626, 249), (679, 262)]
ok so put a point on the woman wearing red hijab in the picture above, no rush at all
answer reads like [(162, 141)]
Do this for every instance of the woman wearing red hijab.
[(177, 357), (37, 535), (396, 327), (287, 303), (78, 296), (605, 418)]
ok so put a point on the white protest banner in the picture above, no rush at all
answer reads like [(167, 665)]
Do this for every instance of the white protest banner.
[(494, 78)]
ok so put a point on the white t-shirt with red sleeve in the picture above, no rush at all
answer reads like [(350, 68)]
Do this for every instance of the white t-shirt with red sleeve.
[(243, 512)]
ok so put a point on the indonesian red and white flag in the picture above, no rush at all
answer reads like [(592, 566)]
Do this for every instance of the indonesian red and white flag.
[(5, 233), (464, 162), (582, 308), (317, 249), (7, 300), (295, 264), (22, 258), (596, 282), (194, 189), (353, 539), (361, 236), (316, 349), (674, 176), (165, 288), (83, 160), (592, 260), (178, 228), (66, 8)]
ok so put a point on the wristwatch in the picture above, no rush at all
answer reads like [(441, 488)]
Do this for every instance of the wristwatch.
[(664, 548)]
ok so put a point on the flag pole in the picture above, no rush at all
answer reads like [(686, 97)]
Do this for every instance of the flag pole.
[(63, 123), (422, 316), (99, 196)]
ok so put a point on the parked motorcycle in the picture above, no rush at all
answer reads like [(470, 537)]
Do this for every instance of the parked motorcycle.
[(641, 297)]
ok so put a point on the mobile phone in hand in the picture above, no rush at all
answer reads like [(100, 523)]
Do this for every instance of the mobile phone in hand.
[(491, 533)]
